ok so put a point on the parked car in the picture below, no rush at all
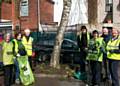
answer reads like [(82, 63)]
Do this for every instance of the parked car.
[(45, 42)]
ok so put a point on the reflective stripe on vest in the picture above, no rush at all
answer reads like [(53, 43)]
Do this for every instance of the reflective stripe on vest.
[(16, 45), (96, 55), (28, 45), (8, 58), (113, 44)]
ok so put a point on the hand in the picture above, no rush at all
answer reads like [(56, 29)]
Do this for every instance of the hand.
[(33, 54), (86, 49), (18, 55)]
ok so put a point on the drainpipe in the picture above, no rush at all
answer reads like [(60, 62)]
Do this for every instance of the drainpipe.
[(39, 25)]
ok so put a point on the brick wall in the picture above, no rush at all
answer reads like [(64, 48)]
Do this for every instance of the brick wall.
[(6, 11), (46, 14), (31, 21), (47, 10)]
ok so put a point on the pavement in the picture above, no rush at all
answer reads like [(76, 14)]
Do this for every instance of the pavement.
[(47, 80), (53, 80)]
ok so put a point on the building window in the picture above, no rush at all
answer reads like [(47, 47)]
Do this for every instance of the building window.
[(109, 6), (24, 8)]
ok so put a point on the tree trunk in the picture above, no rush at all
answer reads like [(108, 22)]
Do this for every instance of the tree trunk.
[(55, 58), (92, 11)]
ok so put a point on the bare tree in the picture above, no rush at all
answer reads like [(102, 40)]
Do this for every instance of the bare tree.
[(55, 58)]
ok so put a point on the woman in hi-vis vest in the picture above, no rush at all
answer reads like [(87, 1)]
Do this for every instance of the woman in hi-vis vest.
[(8, 60)]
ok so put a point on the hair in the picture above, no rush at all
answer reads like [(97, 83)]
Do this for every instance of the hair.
[(83, 27), (95, 31), (16, 35), (7, 35)]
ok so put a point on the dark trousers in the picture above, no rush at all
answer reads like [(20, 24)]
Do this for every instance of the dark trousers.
[(113, 67), (96, 72), (17, 71), (8, 75), (106, 66), (83, 55), (30, 61)]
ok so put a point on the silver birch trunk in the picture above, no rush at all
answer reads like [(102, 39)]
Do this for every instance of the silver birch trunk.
[(55, 58)]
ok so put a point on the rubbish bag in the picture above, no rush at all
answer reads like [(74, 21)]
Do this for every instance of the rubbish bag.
[(76, 75), (26, 75), (80, 76)]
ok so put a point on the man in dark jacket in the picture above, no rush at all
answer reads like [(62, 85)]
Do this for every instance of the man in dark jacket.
[(106, 36), (83, 39)]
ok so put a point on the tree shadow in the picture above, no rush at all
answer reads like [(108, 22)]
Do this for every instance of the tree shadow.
[(118, 6)]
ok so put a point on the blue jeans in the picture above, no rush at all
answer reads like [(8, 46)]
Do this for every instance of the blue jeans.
[(17, 72), (113, 67)]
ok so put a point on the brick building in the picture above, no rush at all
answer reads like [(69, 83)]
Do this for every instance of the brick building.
[(24, 14)]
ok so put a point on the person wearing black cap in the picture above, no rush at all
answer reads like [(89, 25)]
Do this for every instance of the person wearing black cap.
[(95, 57), (83, 39)]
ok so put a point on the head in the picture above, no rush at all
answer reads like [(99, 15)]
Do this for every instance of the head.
[(83, 29), (105, 31), (95, 34), (27, 32), (18, 36), (7, 37), (115, 32)]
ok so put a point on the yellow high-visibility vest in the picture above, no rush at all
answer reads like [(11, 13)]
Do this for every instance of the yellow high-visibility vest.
[(112, 45), (96, 54), (28, 45), (8, 58), (16, 46)]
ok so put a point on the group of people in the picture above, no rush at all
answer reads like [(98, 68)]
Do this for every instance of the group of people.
[(13, 49), (100, 52)]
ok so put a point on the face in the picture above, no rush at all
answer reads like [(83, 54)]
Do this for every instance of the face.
[(105, 31), (19, 36), (114, 33), (95, 35), (84, 30), (27, 33), (8, 38)]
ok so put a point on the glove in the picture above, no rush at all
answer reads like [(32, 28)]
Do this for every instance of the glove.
[(86, 49), (18, 55)]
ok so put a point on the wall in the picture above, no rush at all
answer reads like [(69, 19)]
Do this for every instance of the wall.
[(6, 11)]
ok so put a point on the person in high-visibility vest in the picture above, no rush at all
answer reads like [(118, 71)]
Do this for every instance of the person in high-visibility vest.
[(82, 41), (8, 60), (95, 57), (113, 55), (27, 41), (19, 53)]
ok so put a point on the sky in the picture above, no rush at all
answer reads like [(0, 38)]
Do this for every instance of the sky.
[(78, 13)]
